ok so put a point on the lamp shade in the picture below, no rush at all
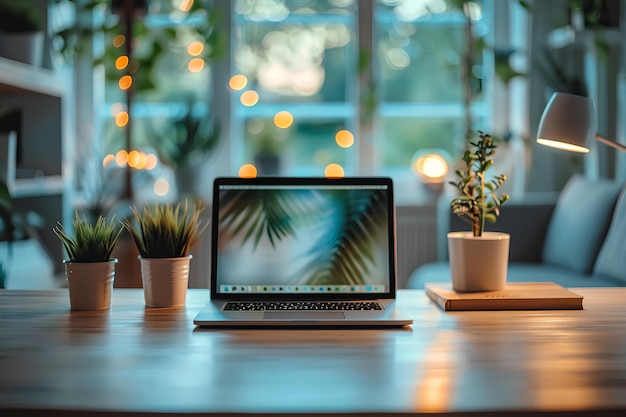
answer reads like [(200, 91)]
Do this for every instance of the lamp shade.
[(568, 122)]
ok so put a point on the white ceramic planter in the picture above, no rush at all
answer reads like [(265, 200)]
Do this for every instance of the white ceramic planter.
[(478, 263), (165, 281), (90, 284)]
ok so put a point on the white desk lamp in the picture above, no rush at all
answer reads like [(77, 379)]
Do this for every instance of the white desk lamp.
[(568, 121)]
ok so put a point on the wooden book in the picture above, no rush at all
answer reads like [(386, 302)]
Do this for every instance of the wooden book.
[(516, 296)]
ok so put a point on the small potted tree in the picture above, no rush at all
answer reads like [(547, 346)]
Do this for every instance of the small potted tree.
[(478, 259), (90, 269), (164, 235)]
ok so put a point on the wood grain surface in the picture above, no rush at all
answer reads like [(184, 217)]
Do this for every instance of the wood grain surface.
[(131, 359)]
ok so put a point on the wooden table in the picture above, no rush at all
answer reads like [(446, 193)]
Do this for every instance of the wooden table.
[(130, 359)]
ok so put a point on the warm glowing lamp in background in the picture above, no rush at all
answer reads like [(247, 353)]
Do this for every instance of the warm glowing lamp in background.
[(568, 122), (431, 167)]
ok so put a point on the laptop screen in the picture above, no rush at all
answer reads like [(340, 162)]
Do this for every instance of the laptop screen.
[(311, 238)]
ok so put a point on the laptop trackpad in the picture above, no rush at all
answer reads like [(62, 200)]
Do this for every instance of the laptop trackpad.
[(303, 315)]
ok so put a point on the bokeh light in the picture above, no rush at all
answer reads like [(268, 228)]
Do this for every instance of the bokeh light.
[(247, 171), (283, 119), (107, 160), (334, 171), (151, 161), (398, 58), (125, 82), (344, 138), (185, 5), (121, 119), (238, 82), (119, 40), (121, 157), (249, 98), (116, 108), (141, 161), (195, 65), (195, 48), (121, 62), (134, 158), (431, 167), (435, 167), (161, 187)]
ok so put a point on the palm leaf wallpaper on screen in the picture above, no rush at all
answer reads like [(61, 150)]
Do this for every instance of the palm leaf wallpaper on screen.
[(346, 254), (259, 212), (333, 236)]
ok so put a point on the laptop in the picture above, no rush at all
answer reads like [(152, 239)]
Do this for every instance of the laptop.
[(302, 252)]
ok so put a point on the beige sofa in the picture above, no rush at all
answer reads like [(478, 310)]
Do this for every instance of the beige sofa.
[(576, 238)]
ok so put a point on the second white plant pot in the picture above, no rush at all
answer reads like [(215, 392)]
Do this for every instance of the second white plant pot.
[(165, 281), (478, 263)]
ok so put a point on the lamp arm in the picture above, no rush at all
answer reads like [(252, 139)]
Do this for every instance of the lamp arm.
[(610, 142)]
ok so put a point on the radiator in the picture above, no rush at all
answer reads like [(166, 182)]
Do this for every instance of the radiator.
[(416, 239)]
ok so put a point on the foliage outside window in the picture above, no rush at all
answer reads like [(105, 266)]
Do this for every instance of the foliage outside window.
[(417, 93), (302, 59)]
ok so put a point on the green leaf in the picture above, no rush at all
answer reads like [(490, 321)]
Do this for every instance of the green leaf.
[(347, 256), (166, 231), (490, 217), (478, 191), (92, 242)]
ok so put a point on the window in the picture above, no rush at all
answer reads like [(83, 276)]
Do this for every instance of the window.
[(314, 84), (157, 117), (422, 75), (302, 57), (297, 113)]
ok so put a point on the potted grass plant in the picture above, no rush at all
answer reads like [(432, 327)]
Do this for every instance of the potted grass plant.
[(165, 235), (90, 269), (478, 259)]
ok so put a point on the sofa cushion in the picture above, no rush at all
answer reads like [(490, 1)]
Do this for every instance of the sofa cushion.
[(579, 223), (611, 262)]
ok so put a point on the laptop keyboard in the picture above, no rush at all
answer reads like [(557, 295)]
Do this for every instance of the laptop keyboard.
[(302, 305)]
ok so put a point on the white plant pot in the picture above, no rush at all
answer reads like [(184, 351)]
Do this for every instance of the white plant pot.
[(90, 284), (25, 47), (478, 263), (165, 281)]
